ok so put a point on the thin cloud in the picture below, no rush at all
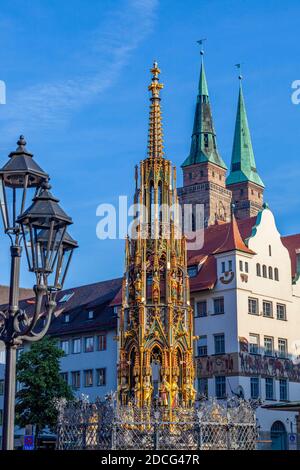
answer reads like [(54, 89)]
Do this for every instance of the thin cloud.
[(50, 104)]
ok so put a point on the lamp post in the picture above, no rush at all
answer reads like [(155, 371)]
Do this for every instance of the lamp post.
[(41, 228)]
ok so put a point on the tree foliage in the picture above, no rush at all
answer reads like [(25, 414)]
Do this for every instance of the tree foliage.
[(38, 372)]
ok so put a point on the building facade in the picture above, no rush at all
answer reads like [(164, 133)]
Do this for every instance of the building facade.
[(248, 318)]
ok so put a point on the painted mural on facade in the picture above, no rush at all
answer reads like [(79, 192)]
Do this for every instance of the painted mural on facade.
[(243, 363)]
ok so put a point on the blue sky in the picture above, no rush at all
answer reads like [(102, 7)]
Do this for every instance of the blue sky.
[(77, 75)]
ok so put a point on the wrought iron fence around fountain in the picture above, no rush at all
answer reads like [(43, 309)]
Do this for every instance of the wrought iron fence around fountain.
[(230, 425)]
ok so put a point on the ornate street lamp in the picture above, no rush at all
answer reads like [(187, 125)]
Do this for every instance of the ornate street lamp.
[(18, 176), (42, 229)]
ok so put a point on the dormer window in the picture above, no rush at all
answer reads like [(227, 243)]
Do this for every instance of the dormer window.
[(192, 271), (66, 318), (206, 140), (90, 314), (66, 297)]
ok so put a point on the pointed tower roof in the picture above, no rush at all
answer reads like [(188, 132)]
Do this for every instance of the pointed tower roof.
[(233, 240), (204, 144), (243, 167), (155, 134)]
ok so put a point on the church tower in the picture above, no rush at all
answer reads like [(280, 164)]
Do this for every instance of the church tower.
[(244, 181), (156, 320), (204, 170)]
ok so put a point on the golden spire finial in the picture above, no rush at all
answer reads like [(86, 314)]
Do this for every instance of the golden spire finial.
[(155, 140), (155, 86)]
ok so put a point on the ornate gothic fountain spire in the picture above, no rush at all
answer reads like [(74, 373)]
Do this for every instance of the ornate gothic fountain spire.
[(156, 321), (155, 135)]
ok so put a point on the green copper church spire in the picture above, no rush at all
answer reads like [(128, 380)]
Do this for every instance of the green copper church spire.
[(203, 145), (243, 167), (202, 88)]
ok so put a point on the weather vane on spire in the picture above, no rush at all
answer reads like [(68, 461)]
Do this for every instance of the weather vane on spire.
[(239, 67), (201, 43)]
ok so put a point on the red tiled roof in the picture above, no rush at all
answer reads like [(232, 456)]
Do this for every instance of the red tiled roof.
[(4, 294), (206, 277), (292, 243), (117, 300), (215, 235), (233, 240)]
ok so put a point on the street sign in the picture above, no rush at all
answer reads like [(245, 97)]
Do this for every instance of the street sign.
[(28, 443), (292, 441)]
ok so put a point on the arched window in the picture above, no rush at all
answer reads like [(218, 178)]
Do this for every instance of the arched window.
[(151, 205), (270, 272), (264, 270), (276, 274), (160, 201), (258, 273)]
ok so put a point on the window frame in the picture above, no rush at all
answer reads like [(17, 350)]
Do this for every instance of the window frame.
[(222, 385), (200, 382), (203, 302), (88, 373), (257, 344), (258, 270), (270, 272), (65, 341), (86, 338), (285, 354), (270, 381), (252, 395), (219, 335), (98, 375), (91, 315), (204, 354), (65, 376), (104, 342), (78, 375), (80, 345), (218, 299), (284, 308), (272, 342), (256, 300), (268, 302), (286, 387), (264, 271)]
